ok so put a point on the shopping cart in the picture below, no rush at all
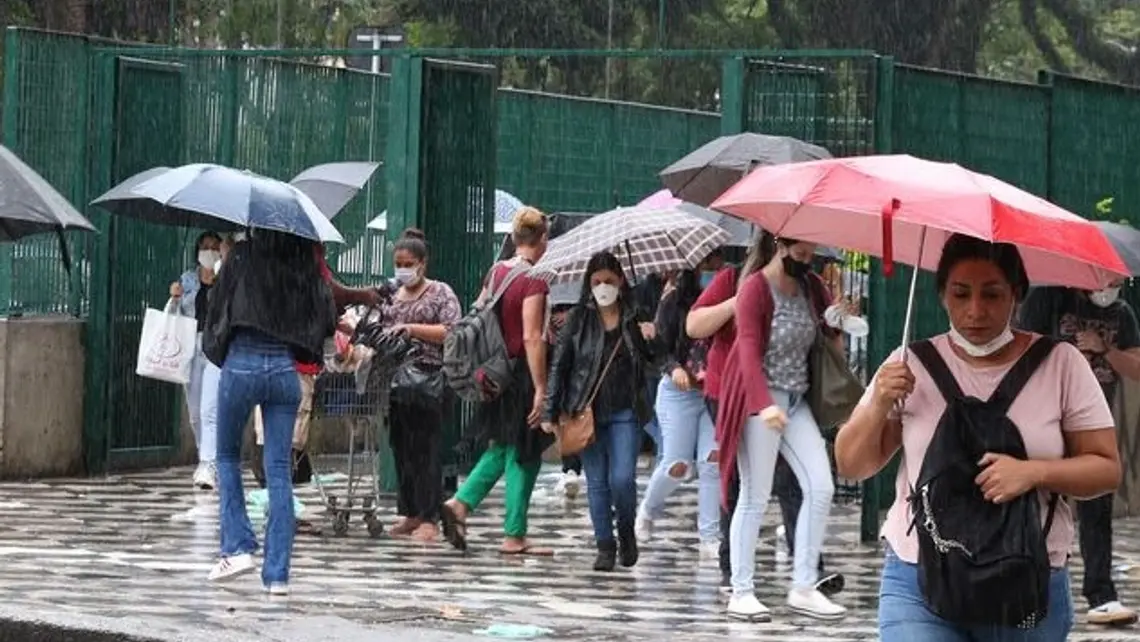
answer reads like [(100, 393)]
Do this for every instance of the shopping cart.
[(358, 400)]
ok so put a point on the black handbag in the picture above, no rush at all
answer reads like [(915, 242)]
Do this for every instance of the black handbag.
[(419, 384)]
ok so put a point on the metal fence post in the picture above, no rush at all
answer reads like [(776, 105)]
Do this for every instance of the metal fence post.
[(877, 489), (732, 117)]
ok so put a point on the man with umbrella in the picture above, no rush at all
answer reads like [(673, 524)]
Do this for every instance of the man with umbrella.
[(1104, 328)]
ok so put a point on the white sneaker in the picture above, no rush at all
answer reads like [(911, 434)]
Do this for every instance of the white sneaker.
[(206, 476), (569, 485), (1112, 614), (277, 588), (230, 567), (812, 603), (643, 528), (748, 608)]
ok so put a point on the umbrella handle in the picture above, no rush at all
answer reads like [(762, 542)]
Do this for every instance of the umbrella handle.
[(909, 320)]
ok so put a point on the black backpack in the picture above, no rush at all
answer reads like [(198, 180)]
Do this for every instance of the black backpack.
[(979, 563)]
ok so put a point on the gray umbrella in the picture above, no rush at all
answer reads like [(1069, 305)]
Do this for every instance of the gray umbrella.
[(30, 205), (332, 185), (704, 174), (1125, 240)]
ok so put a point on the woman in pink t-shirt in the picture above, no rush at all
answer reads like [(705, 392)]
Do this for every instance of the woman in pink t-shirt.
[(1061, 414)]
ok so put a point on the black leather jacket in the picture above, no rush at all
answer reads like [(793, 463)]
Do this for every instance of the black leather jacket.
[(578, 360)]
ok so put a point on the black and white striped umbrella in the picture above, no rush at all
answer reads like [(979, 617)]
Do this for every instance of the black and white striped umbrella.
[(646, 240)]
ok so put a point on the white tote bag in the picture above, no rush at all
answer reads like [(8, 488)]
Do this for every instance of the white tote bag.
[(167, 346)]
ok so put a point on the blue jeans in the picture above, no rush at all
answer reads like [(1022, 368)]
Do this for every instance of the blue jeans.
[(258, 371), (687, 436), (803, 448), (610, 464), (903, 616)]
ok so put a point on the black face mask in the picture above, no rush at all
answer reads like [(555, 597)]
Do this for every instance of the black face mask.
[(796, 269)]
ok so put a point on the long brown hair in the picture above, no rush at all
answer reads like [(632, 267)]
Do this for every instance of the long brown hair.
[(760, 254)]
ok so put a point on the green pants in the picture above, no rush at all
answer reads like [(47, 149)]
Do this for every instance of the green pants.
[(498, 461)]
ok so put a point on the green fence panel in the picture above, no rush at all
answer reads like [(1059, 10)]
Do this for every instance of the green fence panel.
[(45, 114), (1093, 129), (584, 155)]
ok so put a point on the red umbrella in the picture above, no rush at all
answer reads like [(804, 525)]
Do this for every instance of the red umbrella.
[(904, 208)]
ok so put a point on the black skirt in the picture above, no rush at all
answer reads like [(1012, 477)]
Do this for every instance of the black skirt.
[(503, 421)]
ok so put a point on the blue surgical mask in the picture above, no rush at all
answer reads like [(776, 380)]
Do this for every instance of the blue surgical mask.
[(707, 277)]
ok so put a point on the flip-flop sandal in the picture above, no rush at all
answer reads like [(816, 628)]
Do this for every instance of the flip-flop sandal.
[(454, 529), (533, 551)]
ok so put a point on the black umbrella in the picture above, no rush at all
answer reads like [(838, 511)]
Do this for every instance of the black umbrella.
[(1125, 240), (704, 174)]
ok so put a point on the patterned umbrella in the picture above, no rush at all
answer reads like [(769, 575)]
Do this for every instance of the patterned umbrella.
[(646, 240)]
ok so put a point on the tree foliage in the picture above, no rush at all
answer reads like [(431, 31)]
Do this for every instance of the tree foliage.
[(1006, 38)]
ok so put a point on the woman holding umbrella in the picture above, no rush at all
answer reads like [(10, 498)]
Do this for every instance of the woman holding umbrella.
[(256, 336), (1061, 414)]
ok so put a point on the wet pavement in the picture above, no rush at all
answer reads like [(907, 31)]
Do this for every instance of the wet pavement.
[(136, 549)]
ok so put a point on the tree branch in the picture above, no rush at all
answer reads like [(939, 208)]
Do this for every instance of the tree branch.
[(1081, 29), (1043, 42)]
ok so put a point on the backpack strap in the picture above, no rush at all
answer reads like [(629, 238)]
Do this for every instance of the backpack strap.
[(936, 367), (497, 292), (1054, 499), (1021, 372)]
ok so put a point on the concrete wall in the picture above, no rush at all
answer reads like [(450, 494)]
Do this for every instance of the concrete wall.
[(41, 397)]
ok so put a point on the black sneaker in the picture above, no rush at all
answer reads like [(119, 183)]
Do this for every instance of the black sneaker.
[(830, 584), (607, 556), (627, 549)]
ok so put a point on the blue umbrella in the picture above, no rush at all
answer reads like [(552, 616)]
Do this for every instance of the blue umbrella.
[(220, 198)]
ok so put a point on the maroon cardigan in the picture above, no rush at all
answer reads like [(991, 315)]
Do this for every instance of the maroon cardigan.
[(743, 382)]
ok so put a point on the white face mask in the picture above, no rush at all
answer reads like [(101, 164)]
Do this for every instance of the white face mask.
[(1104, 298), (605, 294), (407, 276), (985, 349), (207, 258)]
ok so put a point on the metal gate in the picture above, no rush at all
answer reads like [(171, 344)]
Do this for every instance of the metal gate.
[(132, 422)]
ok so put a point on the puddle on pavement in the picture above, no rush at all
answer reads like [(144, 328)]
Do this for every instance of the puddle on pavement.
[(513, 631)]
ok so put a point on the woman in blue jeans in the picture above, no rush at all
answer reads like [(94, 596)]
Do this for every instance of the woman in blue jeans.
[(688, 437), (270, 307), (600, 362)]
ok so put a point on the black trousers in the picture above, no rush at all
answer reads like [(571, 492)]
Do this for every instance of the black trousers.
[(787, 490), (415, 433), (1094, 521)]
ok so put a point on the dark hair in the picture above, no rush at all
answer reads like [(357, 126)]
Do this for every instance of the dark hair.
[(1005, 256), (605, 261), (414, 241), (207, 235)]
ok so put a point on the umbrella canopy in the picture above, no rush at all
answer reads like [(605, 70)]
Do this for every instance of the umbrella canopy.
[(704, 174), (30, 205), (904, 208), (331, 186), (740, 231), (220, 198), (646, 240), (1125, 240)]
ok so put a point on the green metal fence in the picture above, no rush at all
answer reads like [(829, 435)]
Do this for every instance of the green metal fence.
[(585, 155)]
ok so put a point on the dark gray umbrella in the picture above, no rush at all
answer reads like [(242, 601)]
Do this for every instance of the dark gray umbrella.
[(704, 174), (30, 205), (1125, 240), (332, 185)]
